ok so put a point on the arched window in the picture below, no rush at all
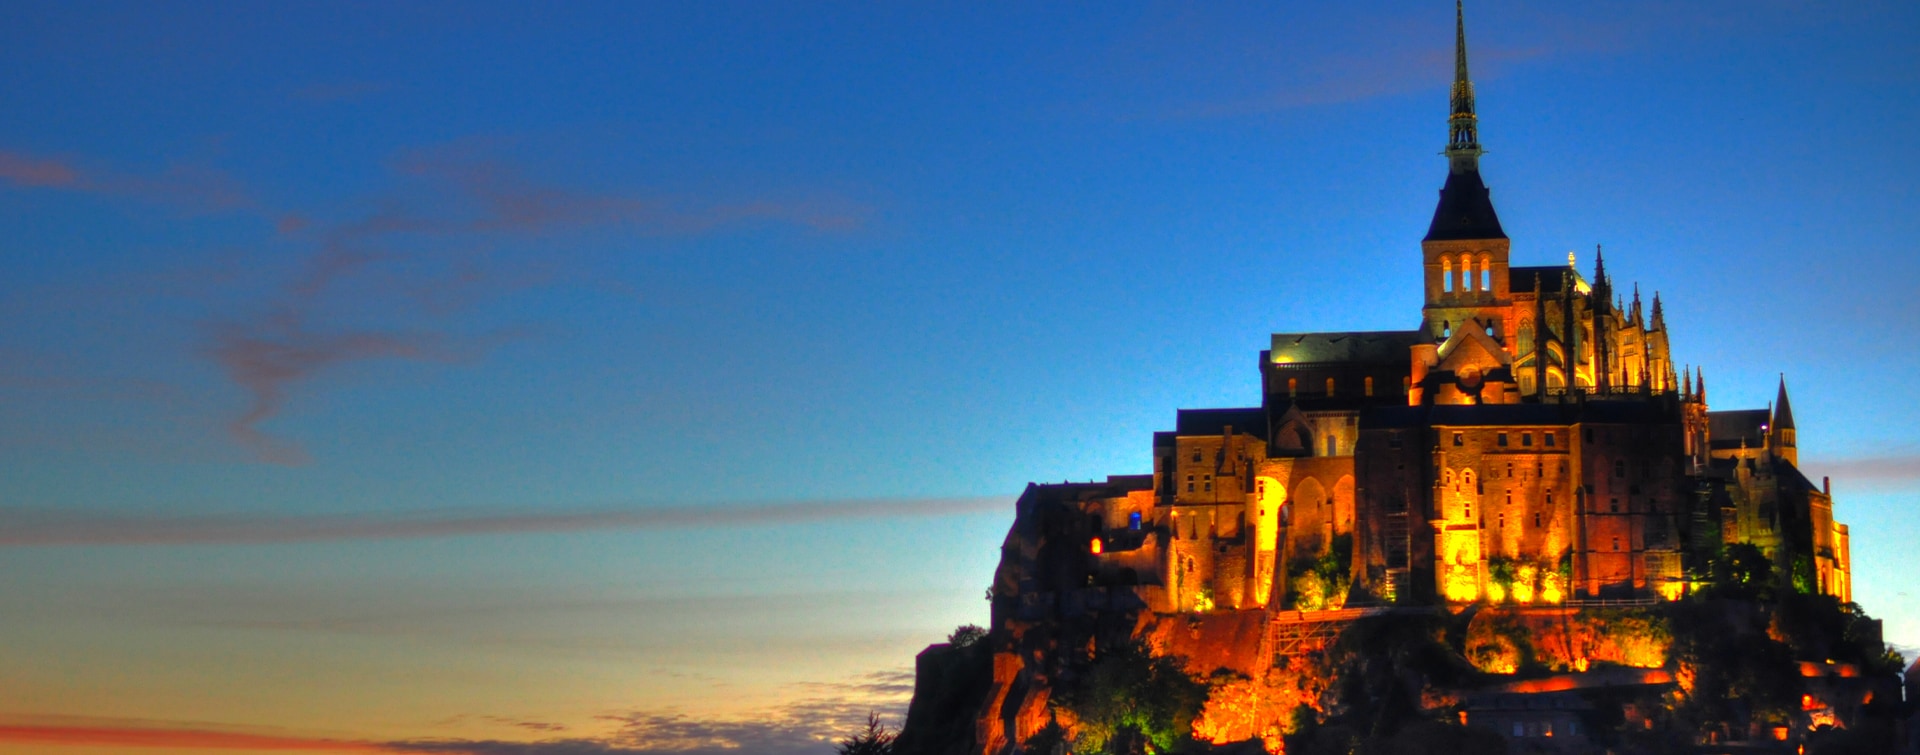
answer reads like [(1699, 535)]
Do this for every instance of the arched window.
[(1369, 386), (1466, 272), (1329, 386), (1332, 446), (1486, 273), (1446, 274), (1293, 387)]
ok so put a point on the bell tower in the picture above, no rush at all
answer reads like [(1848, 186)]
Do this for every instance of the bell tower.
[(1465, 251)]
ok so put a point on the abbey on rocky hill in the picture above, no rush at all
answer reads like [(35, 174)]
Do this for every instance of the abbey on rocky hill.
[(1531, 441), (1527, 460)]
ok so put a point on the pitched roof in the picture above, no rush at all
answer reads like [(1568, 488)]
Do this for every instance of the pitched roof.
[(1729, 428), (1465, 210), (1369, 347), (1546, 279), (1252, 421)]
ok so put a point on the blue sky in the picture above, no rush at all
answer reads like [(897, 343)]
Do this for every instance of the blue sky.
[(423, 334)]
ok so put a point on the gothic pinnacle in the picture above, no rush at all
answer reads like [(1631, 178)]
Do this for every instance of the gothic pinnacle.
[(1463, 131)]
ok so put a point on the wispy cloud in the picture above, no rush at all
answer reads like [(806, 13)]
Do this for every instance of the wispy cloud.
[(20, 528), (37, 172), (194, 187), (809, 724), (267, 356), (1892, 472), (414, 259)]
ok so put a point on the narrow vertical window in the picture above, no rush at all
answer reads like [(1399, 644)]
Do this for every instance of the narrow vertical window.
[(1446, 274), (1293, 387), (1329, 386), (1369, 386)]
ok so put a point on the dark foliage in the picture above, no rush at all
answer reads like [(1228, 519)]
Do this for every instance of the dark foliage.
[(1129, 700), (966, 635), (874, 740)]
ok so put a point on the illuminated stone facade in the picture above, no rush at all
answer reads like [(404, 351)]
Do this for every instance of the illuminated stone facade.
[(1531, 440)]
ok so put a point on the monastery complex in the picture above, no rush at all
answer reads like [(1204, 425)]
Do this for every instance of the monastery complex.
[(1532, 440), (1530, 444)]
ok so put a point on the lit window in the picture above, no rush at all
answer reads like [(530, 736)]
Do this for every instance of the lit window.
[(1329, 386), (1369, 386)]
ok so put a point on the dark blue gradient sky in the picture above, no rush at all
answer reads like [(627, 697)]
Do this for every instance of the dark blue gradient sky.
[(424, 333)]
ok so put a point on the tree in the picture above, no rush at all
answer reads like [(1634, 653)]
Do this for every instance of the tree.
[(966, 636), (874, 740)]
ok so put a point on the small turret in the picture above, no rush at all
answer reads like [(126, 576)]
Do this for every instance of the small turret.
[(1635, 318), (1781, 428), (1659, 318)]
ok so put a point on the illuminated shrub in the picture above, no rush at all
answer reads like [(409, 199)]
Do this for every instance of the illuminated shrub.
[(1498, 642)]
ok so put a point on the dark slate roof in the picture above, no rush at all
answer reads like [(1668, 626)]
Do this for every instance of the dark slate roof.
[(1628, 411), (1546, 280), (1252, 421), (1471, 415), (1465, 210), (1726, 429), (1370, 347), (1503, 414)]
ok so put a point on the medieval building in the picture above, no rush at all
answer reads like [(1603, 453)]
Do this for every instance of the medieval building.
[(1531, 440)]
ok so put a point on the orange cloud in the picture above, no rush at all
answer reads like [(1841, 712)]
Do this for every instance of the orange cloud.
[(197, 739), (27, 528)]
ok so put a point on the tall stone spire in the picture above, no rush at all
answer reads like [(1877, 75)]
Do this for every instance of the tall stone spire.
[(1466, 210), (1782, 411), (1463, 131)]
